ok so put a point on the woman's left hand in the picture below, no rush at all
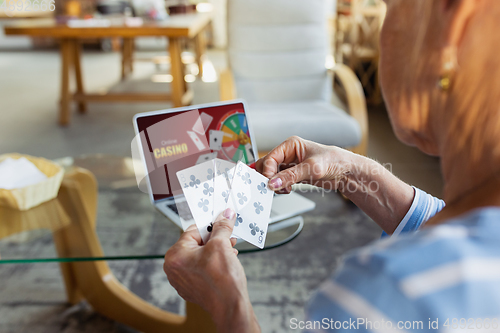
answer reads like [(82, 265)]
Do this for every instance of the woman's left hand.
[(211, 275)]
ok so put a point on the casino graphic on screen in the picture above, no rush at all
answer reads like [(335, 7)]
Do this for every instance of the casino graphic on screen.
[(175, 141)]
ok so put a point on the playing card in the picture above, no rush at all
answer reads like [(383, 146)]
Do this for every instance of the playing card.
[(222, 181), (202, 123), (221, 195), (198, 187), (216, 139), (252, 200), (206, 120), (222, 188), (198, 126), (196, 140), (223, 166), (206, 157), (249, 152), (241, 186)]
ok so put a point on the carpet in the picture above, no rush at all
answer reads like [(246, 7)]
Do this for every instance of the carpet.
[(280, 280)]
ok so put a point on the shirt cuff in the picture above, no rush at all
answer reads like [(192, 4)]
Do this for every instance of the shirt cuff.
[(423, 207), (404, 221)]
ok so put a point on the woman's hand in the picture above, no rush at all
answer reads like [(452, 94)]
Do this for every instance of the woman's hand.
[(297, 160), (211, 275), (374, 189)]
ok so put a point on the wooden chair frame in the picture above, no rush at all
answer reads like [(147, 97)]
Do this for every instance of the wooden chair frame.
[(357, 43), (94, 281)]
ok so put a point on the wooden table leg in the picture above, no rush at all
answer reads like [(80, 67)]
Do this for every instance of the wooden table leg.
[(177, 71), (77, 54), (124, 58), (127, 57), (200, 48), (66, 60), (131, 55), (78, 196)]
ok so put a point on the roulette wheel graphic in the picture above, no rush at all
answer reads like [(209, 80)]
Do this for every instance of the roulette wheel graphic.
[(236, 143)]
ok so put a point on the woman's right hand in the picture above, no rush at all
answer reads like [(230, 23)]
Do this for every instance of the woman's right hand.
[(301, 161), (374, 189)]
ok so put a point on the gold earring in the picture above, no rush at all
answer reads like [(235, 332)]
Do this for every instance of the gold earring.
[(449, 67), (444, 82)]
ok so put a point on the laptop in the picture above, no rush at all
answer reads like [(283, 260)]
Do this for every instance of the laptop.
[(174, 139)]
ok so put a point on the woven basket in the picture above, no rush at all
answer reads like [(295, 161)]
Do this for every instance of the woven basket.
[(33, 195)]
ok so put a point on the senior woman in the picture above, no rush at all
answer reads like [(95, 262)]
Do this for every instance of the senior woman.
[(440, 75)]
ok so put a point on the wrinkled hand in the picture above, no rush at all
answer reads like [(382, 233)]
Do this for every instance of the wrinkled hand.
[(297, 160), (211, 275), (365, 182)]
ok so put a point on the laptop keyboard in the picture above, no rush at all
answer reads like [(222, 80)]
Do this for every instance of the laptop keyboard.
[(181, 208), (173, 207)]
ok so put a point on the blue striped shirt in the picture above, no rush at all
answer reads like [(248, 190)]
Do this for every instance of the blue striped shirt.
[(439, 279)]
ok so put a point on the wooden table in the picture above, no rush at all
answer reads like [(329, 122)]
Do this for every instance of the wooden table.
[(176, 28)]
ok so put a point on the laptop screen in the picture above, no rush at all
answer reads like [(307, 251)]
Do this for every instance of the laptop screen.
[(176, 140)]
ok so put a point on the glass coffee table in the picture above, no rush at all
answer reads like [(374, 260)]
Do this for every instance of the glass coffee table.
[(100, 215)]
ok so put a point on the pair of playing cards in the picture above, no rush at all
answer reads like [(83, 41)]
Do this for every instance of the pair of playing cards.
[(213, 186)]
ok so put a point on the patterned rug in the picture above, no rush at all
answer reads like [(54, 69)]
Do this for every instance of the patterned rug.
[(280, 280)]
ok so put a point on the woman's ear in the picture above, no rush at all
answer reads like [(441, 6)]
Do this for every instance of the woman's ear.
[(456, 14)]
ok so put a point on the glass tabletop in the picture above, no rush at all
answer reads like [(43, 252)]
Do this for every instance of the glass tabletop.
[(127, 226)]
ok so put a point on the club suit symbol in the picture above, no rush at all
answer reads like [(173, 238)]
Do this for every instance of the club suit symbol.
[(225, 195), (203, 204), (242, 198), (194, 182), (210, 174), (227, 174), (246, 178), (262, 188), (239, 220), (258, 207), (208, 190), (254, 229)]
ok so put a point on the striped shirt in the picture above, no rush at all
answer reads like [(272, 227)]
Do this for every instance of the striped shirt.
[(441, 279)]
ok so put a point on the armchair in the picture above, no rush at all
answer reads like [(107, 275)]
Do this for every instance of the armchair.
[(277, 51)]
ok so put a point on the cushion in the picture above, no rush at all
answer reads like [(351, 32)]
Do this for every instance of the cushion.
[(278, 48), (318, 121), (277, 11), (316, 87), (276, 38), (262, 65)]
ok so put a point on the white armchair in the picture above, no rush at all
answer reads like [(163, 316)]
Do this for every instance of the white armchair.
[(277, 51)]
